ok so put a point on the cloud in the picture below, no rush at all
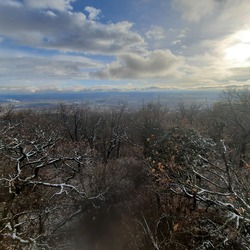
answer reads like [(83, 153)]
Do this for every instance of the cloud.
[(207, 36), (26, 72), (158, 63), (66, 31), (60, 5), (13, 3), (155, 33), (241, 74), (176, 42), (93, 12), (215, 17), (234, 8), (234, 15), (183, 33), (156, 37), (207, 61), (194, 10), (25, 67)]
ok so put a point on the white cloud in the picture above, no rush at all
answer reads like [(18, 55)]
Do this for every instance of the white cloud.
[(67, 31), (25, 67), (93, 12), (155, 33), (60, 5), (156, 37), (207, 37), (176, 42), (158, 63), (183, 33)]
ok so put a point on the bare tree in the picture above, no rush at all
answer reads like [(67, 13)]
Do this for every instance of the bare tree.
[(189, 165), (72, 118), (187, 113), (230, 121), (44, 189)]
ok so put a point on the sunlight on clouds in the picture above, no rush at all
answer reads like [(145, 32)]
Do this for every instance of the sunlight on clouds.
[(238, 54)]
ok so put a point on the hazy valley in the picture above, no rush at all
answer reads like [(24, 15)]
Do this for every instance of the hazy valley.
[(133, 99)]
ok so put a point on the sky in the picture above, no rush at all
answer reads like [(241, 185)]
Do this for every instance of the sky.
[(75, 45)]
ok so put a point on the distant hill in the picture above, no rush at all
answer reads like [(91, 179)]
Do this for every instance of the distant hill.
[(133, 99)]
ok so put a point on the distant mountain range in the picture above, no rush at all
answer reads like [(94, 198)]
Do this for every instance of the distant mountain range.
[(134, 99)]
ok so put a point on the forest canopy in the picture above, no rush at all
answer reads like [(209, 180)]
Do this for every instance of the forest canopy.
[(74, 177)]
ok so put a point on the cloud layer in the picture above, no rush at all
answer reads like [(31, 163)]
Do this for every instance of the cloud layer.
[(175, 43)]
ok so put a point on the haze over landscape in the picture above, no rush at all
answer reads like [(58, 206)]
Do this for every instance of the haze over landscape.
[(74, 45)]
